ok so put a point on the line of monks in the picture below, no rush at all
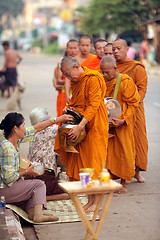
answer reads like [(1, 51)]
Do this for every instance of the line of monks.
[(83, 80)]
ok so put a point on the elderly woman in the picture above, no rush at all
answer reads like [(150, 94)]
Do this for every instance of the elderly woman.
[(31, 192), (42, 150)]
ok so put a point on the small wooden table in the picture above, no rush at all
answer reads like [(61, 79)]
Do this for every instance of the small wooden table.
[(75, 188)]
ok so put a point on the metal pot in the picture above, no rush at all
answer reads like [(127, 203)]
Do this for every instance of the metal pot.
[(67, 145)]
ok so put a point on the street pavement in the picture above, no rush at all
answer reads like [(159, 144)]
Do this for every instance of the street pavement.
[(135, 215)]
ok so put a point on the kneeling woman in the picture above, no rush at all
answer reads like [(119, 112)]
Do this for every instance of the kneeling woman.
[(31, 192)]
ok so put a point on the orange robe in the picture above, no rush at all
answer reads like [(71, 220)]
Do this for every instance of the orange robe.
[(139, 76), (88, 99), (88, 61), (121, 147), (61, 97), (61, 102), (94, 64)]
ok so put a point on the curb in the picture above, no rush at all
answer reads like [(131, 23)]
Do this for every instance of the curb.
[(10, 226)]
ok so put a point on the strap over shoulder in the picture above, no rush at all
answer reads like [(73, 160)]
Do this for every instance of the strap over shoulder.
[(118, 82)]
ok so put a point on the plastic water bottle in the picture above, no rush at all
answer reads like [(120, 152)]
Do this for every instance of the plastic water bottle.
[(2, 205)]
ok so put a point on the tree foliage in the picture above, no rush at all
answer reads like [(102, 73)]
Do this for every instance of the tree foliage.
[(11, 7), (116, 15)]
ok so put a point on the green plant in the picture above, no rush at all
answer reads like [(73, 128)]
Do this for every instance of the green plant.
[(52, 48)]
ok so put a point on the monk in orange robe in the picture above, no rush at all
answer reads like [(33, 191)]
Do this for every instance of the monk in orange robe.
[(137, 72), (108, 50), (84, 58), (121, 148), (88, 91), (72, 49), (88, 60), (99, 51), (85, 46)]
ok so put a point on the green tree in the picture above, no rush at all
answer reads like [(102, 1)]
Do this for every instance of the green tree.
[(10, 8), (116, 15)]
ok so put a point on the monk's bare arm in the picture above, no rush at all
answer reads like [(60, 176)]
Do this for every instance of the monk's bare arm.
[(54, 80), (67, 90), (59, 76)]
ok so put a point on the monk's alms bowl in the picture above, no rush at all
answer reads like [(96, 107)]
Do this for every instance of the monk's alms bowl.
[(66, 144), (113, 108)]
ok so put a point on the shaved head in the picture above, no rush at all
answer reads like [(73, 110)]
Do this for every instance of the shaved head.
[(108, 50), (85, 37), (109, 68), (71, 68), (68, 62), (122, 41), (71, 41), (108, 60), (99, 48)]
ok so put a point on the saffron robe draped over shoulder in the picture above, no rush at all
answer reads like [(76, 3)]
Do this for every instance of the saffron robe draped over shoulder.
[(88, 61), (121, 147), (94, 64), (137, 72), (88, 99)]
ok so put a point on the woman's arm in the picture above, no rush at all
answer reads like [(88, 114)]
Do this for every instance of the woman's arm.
[(43, 125)]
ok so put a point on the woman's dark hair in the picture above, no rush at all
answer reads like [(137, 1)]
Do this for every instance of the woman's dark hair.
[(11, 119)]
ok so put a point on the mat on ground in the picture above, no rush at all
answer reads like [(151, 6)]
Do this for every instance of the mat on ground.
[(63, 209)]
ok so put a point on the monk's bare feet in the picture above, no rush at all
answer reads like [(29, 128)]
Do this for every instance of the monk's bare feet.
[(139, 178), (44, 218), (122, 191), (90, 202)]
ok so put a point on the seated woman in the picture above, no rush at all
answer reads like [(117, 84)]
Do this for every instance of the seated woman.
[(42, 150), (31, 193)]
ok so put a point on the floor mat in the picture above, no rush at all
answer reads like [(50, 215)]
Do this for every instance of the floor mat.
[(63, 209)]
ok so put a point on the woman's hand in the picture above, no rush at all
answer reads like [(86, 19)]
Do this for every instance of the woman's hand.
[(73, 134), (64, 118), (117, 122), (30, 172)]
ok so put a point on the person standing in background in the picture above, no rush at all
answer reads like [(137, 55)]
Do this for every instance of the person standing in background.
[(131, 53), (59, 81), (12, 59)]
